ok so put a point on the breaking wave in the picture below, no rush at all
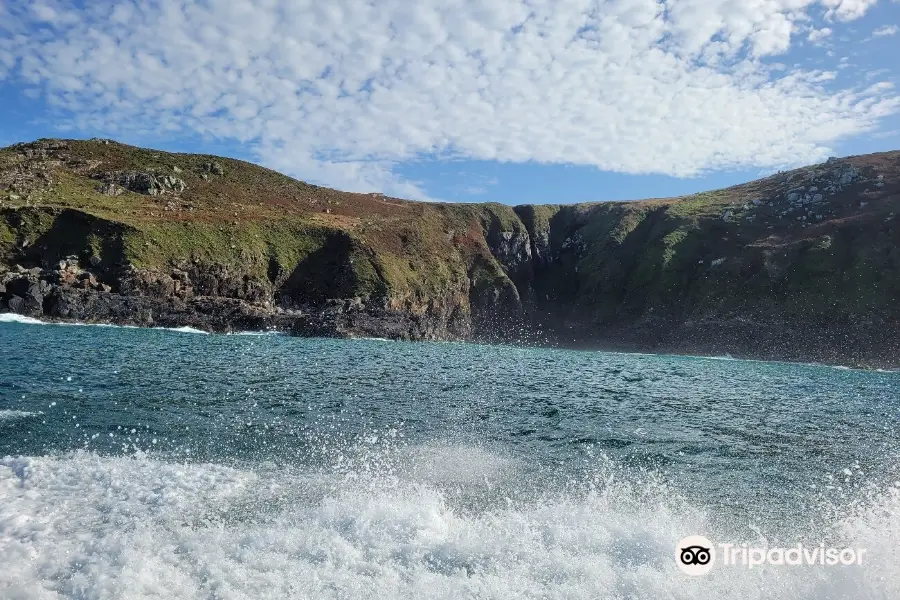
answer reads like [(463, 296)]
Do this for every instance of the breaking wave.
[(183, 330), (14, 318), (367, 525)]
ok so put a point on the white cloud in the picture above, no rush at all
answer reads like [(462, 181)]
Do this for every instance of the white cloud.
[(817, 35), (886, 30), (848, 10), (341, 92)]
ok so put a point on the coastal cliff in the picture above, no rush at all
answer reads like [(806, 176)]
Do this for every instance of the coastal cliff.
[(802, 265)]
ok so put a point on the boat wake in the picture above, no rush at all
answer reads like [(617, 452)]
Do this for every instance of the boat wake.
[(444, 522)]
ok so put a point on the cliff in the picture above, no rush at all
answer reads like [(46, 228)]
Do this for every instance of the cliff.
[(801, 265)]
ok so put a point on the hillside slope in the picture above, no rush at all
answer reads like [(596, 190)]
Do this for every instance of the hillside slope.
[(802, 265)]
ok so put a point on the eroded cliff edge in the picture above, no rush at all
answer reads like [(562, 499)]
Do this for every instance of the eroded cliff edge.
[(802, 265)]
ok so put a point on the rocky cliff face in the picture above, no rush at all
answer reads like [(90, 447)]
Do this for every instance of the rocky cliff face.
[(801, 265)]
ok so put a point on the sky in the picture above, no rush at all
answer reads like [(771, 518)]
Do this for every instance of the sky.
[(515, 101)]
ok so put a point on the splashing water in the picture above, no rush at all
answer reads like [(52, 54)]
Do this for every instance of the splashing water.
[(148, 464)]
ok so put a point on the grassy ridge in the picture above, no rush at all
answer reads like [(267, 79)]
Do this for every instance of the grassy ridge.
[(743, 251)]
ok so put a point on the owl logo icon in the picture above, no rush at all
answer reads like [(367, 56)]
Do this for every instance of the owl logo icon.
[(695, 555)]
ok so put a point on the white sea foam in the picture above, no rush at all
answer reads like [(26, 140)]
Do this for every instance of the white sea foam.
[(85, 526), (183, 329), (257, 333), (12, 415), (14, 318)]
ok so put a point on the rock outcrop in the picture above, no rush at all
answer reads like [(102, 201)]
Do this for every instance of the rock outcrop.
[(139, 182)]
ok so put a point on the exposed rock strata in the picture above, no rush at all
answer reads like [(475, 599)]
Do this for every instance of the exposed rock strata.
[(801, 265)]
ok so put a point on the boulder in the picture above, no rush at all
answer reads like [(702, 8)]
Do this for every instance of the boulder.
[(110, 189), (847, 175), (34, 299), (170, 182), (16, 304), (213, 168)]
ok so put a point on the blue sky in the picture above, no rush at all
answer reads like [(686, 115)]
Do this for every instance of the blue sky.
[(514, 101)]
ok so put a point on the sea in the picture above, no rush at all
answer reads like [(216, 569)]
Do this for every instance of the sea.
[(153, 463)]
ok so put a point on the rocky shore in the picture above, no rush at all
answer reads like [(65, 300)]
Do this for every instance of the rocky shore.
[(800, 266), (73, 292)]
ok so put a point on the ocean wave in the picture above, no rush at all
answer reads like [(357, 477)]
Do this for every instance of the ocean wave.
[(82, 525), (14, 318), (183, 329), (12, 415)]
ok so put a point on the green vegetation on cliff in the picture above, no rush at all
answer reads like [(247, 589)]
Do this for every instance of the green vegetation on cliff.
[(813, 246)]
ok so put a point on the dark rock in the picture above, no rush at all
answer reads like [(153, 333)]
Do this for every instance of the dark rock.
[(34, 299), (16, 304), (18, 286)]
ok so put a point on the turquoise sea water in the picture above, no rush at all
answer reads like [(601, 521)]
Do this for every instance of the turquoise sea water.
[(170, 464)]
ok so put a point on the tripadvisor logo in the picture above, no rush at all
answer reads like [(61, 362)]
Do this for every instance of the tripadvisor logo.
[(696, 555)]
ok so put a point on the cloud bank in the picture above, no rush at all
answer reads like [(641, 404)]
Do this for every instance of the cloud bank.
[(342, 92)]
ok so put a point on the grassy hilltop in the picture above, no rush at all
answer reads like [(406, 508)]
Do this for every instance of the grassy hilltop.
[(800, 265)]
